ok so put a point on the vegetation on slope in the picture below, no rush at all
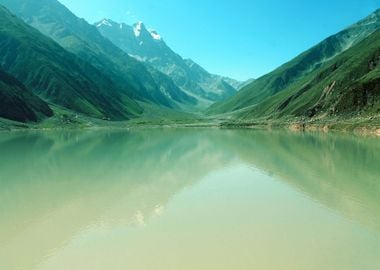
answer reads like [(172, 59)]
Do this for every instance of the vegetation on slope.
[(338, 79), (57, 75), (18, 103), (294, 73), (347, 86), (84, 40)]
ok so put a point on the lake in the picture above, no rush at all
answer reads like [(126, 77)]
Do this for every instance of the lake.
[(186, 199)]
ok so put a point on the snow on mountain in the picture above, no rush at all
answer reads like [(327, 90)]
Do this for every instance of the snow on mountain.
[(155, 35), (104, 22), (147, 45)]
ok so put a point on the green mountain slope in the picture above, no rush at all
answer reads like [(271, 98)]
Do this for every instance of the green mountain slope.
[(18, 103), (347, 86), (293, 73), (57, 75), (77, 36)]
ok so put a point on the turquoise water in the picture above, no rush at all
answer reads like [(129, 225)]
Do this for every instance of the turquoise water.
[(189, 199)]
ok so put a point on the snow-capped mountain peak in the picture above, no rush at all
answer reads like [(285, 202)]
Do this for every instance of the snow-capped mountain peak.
[(140, 28), (145, 44), (105, 22), (140, 31)]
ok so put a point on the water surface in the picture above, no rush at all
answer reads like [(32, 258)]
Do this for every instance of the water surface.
[(189, 199)]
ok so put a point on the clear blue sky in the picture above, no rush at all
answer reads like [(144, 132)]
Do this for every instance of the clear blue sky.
[(237, 38)]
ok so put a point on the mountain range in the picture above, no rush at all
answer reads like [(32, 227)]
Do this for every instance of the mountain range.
[(149, 47), (51, 60), (76, 36)]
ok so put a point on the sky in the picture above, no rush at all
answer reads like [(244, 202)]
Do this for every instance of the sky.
[(241, 39)]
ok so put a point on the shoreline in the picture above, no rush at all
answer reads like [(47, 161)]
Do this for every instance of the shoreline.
[(343, 126), (320, 127)]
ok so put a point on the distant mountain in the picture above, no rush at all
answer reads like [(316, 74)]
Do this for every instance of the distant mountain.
[(18, 103), (77, 36), (238, 85), (219, 89), (307, 76), (57, 75), (149, 47)]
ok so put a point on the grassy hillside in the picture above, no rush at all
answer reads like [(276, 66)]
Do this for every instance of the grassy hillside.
[(18, 103), (295, 73), (347, 86), (84, 40), (57, 75)]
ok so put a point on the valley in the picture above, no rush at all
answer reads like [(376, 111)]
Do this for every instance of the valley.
[(111, 74), (183, 135)]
